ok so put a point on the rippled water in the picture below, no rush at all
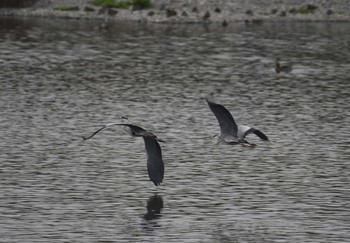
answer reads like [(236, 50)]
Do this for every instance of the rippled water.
[(63, 79)]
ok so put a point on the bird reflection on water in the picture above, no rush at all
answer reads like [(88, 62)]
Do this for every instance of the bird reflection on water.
[(154, 207)]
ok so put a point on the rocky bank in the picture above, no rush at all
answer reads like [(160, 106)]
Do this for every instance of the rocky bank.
[(186, 11)]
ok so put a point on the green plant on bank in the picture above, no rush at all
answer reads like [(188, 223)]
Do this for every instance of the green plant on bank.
[(122, 4), (142, 3), (305, 10), (264, 13), (340, 12)]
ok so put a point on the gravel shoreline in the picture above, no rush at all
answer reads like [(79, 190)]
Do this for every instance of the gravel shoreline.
[(194, 11)]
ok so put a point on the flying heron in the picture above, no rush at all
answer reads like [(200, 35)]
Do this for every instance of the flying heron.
[(155, 165), (230, 132)]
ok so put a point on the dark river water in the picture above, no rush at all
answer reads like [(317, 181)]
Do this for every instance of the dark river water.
[(63, 79)]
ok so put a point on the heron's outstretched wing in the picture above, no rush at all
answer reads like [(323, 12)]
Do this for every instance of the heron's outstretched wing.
[(258, 133), (224, 117), (155, 165), (134, 131), (105, 126)]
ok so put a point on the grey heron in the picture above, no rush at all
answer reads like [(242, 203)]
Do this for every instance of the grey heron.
[(155, 164), (230, 132)]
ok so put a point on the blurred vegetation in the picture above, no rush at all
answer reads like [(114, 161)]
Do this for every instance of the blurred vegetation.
[(17, 3), (66, 8), (308, 9), (122, 4), (304, 10)]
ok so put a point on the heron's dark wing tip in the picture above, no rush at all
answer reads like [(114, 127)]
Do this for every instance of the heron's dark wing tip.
[(155, 164), (209, 101), (261, 135), (156, 178), (87, 138), (157, 182)]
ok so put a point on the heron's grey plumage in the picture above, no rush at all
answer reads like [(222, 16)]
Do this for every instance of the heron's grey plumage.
[(155, 164), (228, 126), (230, 132)]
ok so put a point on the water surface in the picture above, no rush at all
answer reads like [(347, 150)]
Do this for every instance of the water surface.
[(63, 79)]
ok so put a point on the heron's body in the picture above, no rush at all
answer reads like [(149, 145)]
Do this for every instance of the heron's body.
[(230, 132), (155, 164)]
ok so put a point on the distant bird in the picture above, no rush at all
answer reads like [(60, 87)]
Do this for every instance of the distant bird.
[(230, 132), (155, 164), (285, 69)]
